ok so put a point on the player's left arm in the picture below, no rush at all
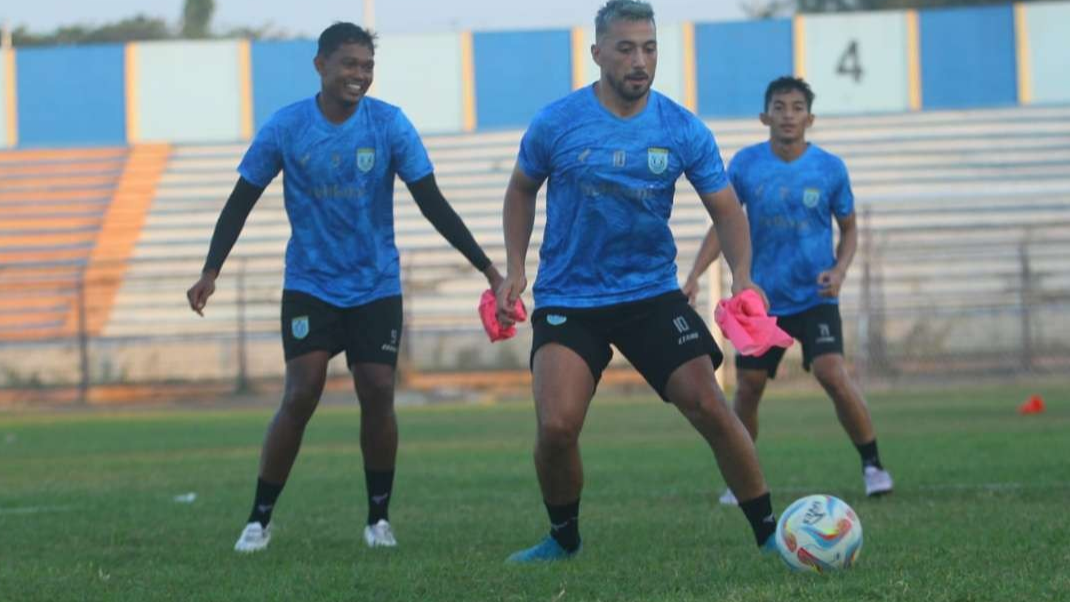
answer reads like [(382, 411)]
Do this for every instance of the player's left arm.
[(733, 232), (831, 280), (437, 210)]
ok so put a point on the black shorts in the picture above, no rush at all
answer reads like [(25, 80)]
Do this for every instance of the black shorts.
[(657, 335), (368, 333), (819, 329)]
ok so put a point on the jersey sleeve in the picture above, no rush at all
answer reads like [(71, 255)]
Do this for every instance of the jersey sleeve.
[(704, 167), (534, 157), (407, 152), (263, 160), (843, 198)]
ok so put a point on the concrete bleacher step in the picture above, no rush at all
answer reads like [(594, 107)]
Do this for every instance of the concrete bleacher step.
[(941, 183)]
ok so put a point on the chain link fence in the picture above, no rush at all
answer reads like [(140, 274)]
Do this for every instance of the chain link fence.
[(936, 293)]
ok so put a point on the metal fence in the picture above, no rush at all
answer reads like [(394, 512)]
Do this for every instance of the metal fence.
[(934, 294)]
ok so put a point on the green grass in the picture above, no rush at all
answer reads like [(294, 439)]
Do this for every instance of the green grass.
[(979, 511)]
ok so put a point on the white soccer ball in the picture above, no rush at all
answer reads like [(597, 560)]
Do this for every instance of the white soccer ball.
[(819, 533)]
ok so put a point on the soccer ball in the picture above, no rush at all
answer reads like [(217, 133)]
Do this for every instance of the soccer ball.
[(819, 533)]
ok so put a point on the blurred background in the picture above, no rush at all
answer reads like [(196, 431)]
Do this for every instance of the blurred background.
[(120, 131)]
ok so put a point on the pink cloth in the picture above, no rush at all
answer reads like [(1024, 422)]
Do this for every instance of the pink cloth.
[(743, 320), (488, 312)]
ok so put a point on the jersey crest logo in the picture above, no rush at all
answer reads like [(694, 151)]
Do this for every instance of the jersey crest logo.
[(299, 327), (556, 319), (811, 197), (657, 159), (365, 159)]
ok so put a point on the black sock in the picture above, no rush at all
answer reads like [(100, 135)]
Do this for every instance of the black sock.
[(759, 513), (565, 525), (870, 457), (264, 503), (380, 484)]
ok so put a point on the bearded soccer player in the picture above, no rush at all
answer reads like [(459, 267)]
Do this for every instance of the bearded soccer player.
[(612, 153), (792, 191), (340, 151)]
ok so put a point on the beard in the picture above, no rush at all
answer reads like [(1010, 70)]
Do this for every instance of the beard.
[(628, 90)]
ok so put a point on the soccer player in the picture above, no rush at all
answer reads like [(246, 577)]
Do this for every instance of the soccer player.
[(612, 153), (340, 150), (792, 190)]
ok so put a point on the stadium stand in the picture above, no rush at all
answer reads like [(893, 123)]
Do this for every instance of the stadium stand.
[(961, 212), (944, 175)]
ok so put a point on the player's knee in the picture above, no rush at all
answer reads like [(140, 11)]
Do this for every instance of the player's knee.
[(750, 386), (831, 374), (707, 409), (378, 391), (300, 402), (558, 433)]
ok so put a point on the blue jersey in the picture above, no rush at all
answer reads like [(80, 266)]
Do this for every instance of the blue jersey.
[(610, 194), (790, 208), (339, 193)]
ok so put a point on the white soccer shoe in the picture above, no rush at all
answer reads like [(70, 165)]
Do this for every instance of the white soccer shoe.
[(379, 535), (253, 538), (878, 481), (728, 498)]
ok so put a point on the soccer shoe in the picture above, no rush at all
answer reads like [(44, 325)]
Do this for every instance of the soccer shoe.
[(379, 535), (728, 498), (254, 538), (769, 547), (878, 481), (547, 550)]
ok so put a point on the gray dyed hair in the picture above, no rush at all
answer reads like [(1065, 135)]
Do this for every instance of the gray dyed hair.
[(617, 10)]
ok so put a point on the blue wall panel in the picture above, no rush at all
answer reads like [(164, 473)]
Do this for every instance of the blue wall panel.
[(71, 95), (734, 62), (518, 73), (968, 57), (282, 74)]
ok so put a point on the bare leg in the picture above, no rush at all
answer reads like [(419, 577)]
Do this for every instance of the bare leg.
[(563, 387), (750, 386), (850, 406), (305, 376), (374, 384), (693, 389)]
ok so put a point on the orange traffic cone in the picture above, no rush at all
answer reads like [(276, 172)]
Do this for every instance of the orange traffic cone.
[(1033, 405)]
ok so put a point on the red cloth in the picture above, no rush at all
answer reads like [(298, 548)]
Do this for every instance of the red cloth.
[(1033, 405), (744, 322), (488, 312)]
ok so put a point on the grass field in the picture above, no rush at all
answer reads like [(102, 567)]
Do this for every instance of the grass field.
[(87, 509)]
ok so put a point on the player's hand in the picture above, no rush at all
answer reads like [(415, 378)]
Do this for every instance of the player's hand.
[(829, 282), (741, 284), (507, 294), (198, 294), (494, 278), (691, 289)]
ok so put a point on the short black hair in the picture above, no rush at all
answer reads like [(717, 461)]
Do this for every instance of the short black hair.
[(621, 10), (788, 83), (344, 33)]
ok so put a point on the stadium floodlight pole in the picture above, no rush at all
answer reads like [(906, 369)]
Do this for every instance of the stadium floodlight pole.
[(369, 14)]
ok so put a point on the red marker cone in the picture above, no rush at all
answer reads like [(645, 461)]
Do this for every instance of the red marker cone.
[(1033, 405)]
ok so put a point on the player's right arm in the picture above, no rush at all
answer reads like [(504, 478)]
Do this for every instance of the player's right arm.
[(227, 228), (518, 220), (707, 254), (261, 163)]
